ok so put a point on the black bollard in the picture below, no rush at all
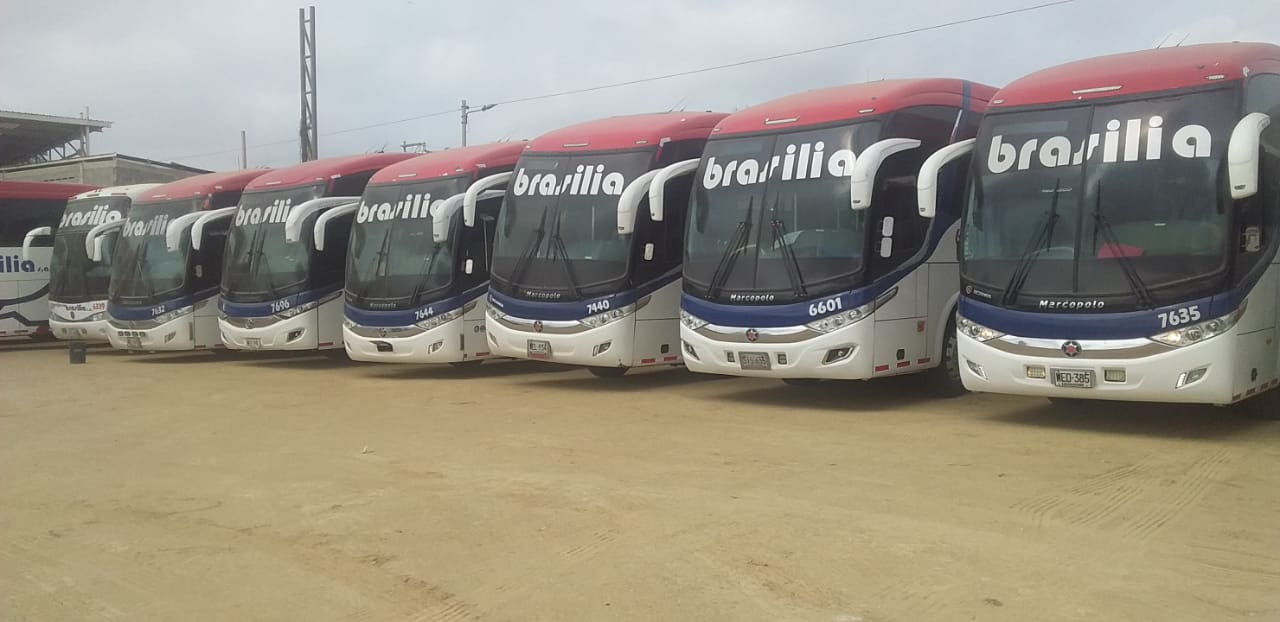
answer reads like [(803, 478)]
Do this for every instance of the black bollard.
[(77, 350)]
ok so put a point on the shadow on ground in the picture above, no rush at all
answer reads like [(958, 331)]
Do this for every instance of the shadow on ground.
[(655, 378), (1189, 421), (470, 371), (850, 395)]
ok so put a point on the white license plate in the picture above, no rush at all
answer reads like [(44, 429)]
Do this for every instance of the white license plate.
[(754, 360), (539, 349), (253, 343), (1075, 378), (133, 343)]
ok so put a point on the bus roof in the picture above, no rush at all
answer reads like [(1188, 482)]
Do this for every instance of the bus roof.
[(852, 101), (1145, 71), (202, 185), (40, 190), (133, 191), (451, 162), (627, 132), (324, 170)]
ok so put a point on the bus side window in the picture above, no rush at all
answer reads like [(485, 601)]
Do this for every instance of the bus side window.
[(330, 264), (667, 237), (351, 185), (18, 216), (477, 243), (1259, 216), (207, 262)]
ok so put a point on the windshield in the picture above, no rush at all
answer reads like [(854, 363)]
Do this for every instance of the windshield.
[(72, 277), (260, 265), (1121, 204), (558, 233), (146, 271), (393, 261), (771, 219)]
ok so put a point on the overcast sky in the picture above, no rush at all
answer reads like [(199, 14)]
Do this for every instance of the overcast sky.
[(181, 79)]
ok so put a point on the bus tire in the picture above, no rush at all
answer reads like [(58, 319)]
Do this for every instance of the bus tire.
[(800, 382), (336, 354), (608, 372), (944, 380)]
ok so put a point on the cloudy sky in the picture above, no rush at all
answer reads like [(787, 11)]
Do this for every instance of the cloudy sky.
[(181, 79)]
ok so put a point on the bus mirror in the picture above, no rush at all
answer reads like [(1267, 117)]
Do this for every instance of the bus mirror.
[(659, 185), (31, 238), (93, 239), (862, 181), (322, 223), (472, 196), (298, 214), (468, 266), (1242, 154), (442, 215), (197, 230), (629, 202), (648, 251), (173, 233), (927, 180)]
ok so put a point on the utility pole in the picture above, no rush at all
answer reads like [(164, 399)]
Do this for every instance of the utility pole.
[(419, 147), (244, 151), (308, 134), (467, 110)]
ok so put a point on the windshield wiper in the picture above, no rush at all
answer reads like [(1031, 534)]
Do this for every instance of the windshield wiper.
[(737, 246), (426, 263), (557, 246), (256, 249), (381, 257), (1041, 241), (522, 264), (788, 254), (1103, 225)]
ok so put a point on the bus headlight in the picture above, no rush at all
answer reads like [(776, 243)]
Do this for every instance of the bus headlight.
[(96, 317), (842, 319), (494, 312), (443, 318), (172, 315), (1196, 333), (975, 330), (691, 321), (608, 317), (302, 308)]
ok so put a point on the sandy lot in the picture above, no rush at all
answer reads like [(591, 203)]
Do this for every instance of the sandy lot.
[(194, 488)]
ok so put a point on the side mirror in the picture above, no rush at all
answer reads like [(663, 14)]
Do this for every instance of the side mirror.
[(173, 234), (468, 266), (927, 180), (1242, 154), (472, 195), (442, 213), (629, 202), (93, 239), (862, 181), (318, 232), (299, 214), (659, 185), (31, 238), (197, 230)]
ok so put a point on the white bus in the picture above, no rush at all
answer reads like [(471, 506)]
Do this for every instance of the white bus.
[(168, 261), (1121, 239), (586, 266), (808, 255), (283, 266), (78, 279), (24, 260), (416, 273)]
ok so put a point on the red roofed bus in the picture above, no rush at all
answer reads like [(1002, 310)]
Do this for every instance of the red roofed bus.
[(1121, 238), (416, 274), (586, 267), (168, 263), (808, 254), (286, 253), (27, 206)]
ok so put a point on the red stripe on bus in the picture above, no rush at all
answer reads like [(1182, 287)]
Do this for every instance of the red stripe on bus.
[(922, 361), (482, 353), (647, 361), (880, 368), (902, 364), (668, 359), (327, 343)]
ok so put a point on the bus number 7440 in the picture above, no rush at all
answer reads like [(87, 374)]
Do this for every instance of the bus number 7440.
[(1178, 317)]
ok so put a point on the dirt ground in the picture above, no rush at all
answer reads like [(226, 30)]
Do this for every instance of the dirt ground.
[(188, 487)]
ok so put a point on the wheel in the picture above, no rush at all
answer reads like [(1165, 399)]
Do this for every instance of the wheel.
[(608, 372), (1266, 406), (944, 380), (800, 382), (336, 354)]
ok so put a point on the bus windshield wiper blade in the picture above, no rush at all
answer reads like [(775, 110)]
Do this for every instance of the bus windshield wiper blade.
[(1103, 225), (737, 246), (788, 254), (422, 270), (1041, 241), (522, 264), (378, 260), (558, 247)]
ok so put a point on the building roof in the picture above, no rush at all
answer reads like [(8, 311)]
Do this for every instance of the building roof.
[(849, 102), (202, 185), (133, 191), (40, 190), (106, 156), (25, 135), (451, 162), (324, 170), (628, 132), (1145, 71)]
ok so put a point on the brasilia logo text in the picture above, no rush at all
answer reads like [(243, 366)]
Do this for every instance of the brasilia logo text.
[(276, 212), (137, 228), (586, 180), (803, 161), (96, 215), (411, 207), (14, 263), (1127, 145)]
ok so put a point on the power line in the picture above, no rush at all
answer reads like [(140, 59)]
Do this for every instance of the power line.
[(678, 74)]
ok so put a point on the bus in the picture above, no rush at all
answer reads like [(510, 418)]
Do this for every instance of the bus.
[(27, 207), (78, 279), (286, 252), (808, 256), (586, 265), (1120, 238), (416, 273), (163, 293)]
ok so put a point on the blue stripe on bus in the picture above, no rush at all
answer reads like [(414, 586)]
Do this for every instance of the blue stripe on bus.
[(408, 317), (1071, 325), (145, 312), (577, 309), (271, 307)]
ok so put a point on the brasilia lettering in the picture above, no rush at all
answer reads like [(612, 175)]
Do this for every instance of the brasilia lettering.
[(137, 228), (93, 216), (1071, 305), (803, 161), (411, 207), (586, 180), (277, 212), (1118, 145), (14, 263)]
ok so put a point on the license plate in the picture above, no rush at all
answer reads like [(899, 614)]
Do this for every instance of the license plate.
[(134, 343), (253, 342), (1077, 378), (754, 360), (539, 349)]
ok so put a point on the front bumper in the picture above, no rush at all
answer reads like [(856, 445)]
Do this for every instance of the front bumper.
[(176, 334), (89, 330), (300, 332), (442, 344), (570, 343), (792, 352)]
